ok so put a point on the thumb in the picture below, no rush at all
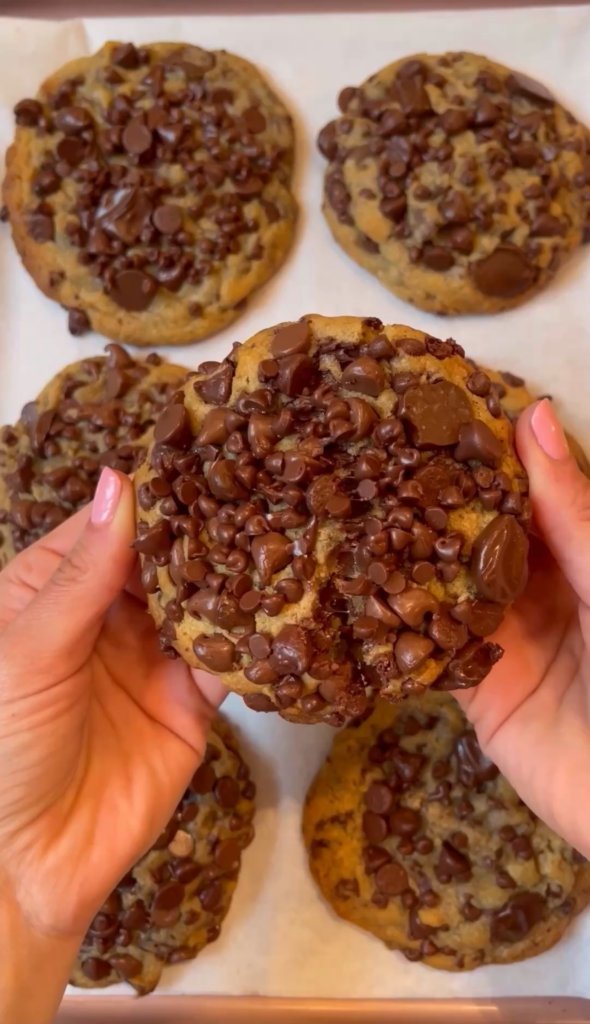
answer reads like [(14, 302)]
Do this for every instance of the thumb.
[(65, 617), (560, 493)]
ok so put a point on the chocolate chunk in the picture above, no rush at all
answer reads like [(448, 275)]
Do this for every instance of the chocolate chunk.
[(223, 483), (156, 541), (213, 428), (41, 227), (167, 219), (137, 138), (374, 827), (379, 798), (364, 375), (28, 113), (514, 920), (216, 652), (499, 560), (470, 666), (412, 605), (254, 120), (73, 120), (271, 553), (413, 96), (71, 150), (505, 273), (455, 120), (290, 340), (295, 374), (411, 651), (227, 791), (404, 821), (474, 768), (174, 427), (391, 879), (96, 969), (203, 780), (216, 388), (481, 617), (437, 258), (126, 965), (477, 442), (125, 56), (326, 141), (124, 213), (292, 651), (259, 702), (78, 322), (522, 85), (455, 208), (133, 290), (435, 413), (452, 864)]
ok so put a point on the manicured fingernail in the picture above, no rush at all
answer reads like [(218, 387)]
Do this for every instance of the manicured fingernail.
[(106, 498), (548, 431)]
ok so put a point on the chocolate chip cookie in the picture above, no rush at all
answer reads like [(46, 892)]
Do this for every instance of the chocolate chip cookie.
[(148, 190), (413, 835), (460, 184), (172, 903), (94, 413), (333, 510)]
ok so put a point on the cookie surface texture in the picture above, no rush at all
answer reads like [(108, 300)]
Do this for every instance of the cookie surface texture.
[(344, 513), (93, 413), (413, 835), (460, 184), (172, 903), (148, 190)]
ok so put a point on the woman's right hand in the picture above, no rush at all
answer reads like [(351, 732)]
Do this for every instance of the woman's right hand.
[(532, 713)]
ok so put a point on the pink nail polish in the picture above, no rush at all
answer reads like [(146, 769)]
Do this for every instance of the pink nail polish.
[(106, 498), (548, 431)]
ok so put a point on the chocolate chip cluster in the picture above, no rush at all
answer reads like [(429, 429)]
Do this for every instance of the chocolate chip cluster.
[(456, 164), (172, 903), (93, 414), (156, 171), (335, 509), (413, 852), (414, 835)]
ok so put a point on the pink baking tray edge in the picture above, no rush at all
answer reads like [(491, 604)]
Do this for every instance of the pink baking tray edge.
[(263, 1010)]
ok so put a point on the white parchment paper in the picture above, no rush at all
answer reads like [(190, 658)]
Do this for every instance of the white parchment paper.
[(280, 938)]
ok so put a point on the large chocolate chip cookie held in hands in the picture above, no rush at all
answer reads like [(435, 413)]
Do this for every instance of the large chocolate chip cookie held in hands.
[(460, 184), (148, 190), (413, 835), (333, 511)]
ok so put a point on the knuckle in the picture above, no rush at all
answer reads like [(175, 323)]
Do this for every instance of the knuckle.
[(73, 570)]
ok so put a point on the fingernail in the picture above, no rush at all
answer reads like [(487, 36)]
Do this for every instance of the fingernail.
[(548, 431), (106, 498)]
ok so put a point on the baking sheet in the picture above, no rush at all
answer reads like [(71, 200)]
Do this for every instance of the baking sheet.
[(280, 939)]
